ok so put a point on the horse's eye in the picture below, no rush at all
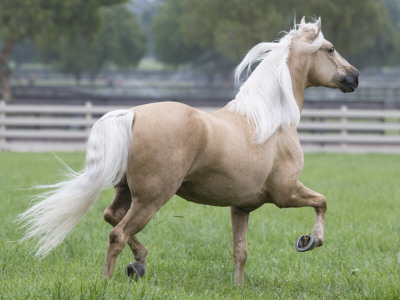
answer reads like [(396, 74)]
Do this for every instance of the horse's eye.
[(331, 50)]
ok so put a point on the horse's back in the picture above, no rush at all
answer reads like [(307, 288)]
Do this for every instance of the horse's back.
[(166, 124)]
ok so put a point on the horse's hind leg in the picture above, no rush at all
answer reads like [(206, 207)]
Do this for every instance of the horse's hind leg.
[(113, 215), (139, 214), (119, 206)]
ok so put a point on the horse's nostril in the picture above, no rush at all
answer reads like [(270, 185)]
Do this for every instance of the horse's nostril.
[(356, 74), (351, 80)]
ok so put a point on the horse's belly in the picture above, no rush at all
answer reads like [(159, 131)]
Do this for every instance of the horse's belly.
[(222, 195)]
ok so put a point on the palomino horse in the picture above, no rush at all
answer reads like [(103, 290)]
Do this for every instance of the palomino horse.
[(243, 155)]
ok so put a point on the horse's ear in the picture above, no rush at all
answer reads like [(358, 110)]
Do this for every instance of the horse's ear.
[(318, 25), (311, 31)]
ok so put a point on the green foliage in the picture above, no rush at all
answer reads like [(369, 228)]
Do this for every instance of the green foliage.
[(168, 31), (23, 52), (360, 30), (393, 7), (120, 41), (190, 245), (45, 22), (30, 18)]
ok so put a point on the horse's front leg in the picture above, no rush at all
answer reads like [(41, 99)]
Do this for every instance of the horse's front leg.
[(303, 196), (240, 220)]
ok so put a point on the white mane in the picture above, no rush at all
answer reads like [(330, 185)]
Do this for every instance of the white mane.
[(266, 98)]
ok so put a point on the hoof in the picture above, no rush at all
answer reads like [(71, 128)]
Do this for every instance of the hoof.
[(305, 243), (135, 270)]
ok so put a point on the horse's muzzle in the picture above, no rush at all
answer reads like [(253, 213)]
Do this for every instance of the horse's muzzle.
[(349, 82)]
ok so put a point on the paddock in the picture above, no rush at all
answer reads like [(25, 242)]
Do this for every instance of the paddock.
[(147, 182), (360, 257)]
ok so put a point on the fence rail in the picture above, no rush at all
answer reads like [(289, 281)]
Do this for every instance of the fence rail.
[(65, 128)]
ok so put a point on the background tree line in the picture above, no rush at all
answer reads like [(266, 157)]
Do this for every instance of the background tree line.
[(366, 32), (74, 36), (83, 37)]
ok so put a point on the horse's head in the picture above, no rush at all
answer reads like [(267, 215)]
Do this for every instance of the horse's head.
[(326, 66), (273, 94)]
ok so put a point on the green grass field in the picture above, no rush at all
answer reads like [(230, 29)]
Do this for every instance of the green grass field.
[(190, 245)]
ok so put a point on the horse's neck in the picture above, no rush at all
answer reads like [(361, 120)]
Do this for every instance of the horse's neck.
[(298, 68)]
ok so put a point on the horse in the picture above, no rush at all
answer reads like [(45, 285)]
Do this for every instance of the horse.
[(241, 156)]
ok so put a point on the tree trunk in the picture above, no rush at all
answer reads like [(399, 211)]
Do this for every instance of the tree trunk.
[(4, 71), (5, 86)]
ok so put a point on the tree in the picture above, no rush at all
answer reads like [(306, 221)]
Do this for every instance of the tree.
[(231, 28), (120, 41), (146, 10), (43, 21), (363, 31), (170, 45), (23, 52)]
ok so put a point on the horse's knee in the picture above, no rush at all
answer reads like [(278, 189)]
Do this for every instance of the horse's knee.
[(239, 255), (323, 204), (320, 205)]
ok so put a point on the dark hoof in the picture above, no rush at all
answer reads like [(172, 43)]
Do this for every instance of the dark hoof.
[(135, 270), (305, 243)]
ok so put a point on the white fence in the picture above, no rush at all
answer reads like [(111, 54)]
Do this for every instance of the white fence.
[(65, 128)]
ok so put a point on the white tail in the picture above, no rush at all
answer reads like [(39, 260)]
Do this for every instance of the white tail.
[(106, 161)]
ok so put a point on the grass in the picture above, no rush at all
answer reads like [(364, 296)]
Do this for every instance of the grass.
[(190, 245)]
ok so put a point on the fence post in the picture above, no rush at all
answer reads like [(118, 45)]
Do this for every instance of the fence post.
[(88, 116), (2, 125), (344, 121)]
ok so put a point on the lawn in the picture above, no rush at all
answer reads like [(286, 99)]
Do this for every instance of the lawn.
[(190, 245)]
